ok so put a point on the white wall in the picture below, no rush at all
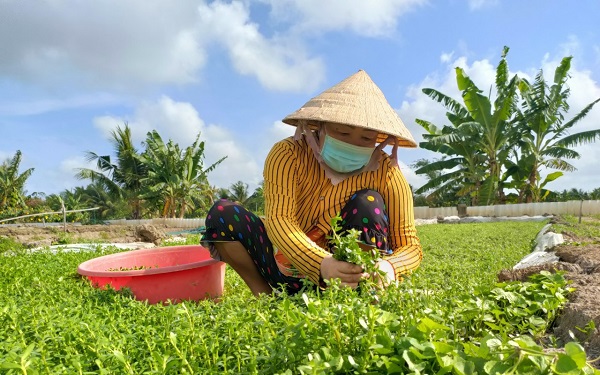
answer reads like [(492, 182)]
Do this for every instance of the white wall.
[(513, 210), (510, 210)]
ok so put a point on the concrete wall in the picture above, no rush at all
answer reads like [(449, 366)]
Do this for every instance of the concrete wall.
[(174, 223), (510, 210), (513, 210)]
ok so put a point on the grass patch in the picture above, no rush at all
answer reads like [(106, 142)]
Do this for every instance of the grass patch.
[(588, 229), (450, 316)]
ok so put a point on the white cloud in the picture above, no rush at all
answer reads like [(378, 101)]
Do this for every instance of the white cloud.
[(240, 165), (419, 105), (103, 43), (134, 44), (369, 18), (446, 57), (40, 106), (277, 132), (412, 178), (181, 122), (68, 169), (279, 63)]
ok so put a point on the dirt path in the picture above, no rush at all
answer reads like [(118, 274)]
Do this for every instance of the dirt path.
[(33, 236)]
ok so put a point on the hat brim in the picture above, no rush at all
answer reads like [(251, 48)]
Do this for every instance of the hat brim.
[(356, 101)]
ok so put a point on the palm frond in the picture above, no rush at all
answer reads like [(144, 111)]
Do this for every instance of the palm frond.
[(560, 164), (447, 102), (439, 165), (581, 138), (584, 112)]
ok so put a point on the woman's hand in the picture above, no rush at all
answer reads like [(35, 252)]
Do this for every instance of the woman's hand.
[(348, 273)]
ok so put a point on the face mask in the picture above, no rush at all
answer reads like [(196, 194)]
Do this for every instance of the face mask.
[(344, 157)]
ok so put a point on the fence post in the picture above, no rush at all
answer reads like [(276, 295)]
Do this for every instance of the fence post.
[(64, 212)]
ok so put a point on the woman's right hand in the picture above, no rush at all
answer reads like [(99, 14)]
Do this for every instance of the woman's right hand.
[(349, 274)]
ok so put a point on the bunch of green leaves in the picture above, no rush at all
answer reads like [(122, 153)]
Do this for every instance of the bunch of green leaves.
[(346, 247), (526, 307), (433, 344)]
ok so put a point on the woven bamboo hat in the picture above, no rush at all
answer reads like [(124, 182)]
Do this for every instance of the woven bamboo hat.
[(355, 101)]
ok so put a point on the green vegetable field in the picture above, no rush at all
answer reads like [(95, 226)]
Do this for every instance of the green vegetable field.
[(449, 317)]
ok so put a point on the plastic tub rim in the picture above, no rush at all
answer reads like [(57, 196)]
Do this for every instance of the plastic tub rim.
[(83, 268)]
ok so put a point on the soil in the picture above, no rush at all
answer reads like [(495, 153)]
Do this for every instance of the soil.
[(579, 258), (581, 264), (34, 236)]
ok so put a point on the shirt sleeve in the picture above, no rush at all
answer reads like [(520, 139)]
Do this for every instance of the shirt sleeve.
[(281, 169), (406, 248)]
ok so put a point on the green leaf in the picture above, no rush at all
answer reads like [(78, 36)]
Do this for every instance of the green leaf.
[(566, 365), (496, 368), (119, 355), (363, 323), (427, 325), (576, 352), (27, 351), (10, 365), (463, 367), (443, 347), (352, 361), (488, 344)]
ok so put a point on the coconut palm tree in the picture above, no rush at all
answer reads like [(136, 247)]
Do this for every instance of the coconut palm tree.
[(122, 178), (12, 183), (174, 177), (238, 192), (256, 202), (96, 195), (547, 141)]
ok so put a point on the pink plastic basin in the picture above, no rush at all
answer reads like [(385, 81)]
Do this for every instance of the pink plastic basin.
[(172, 273)]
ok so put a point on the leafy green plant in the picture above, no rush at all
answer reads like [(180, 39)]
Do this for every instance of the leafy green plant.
[(9, 245), (63, 238), (346, 247), (449, 343), (448, 317)]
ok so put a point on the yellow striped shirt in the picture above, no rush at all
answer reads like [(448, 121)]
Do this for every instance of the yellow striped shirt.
[(298, 196)]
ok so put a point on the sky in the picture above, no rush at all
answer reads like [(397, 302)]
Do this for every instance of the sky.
[(72, 71)]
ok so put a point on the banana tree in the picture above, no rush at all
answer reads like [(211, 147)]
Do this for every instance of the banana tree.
[(12, 182), (487, 128), (493, 123), (546, 135), (459, 171)]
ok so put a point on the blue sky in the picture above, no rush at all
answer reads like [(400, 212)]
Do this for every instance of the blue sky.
[(71, 71)]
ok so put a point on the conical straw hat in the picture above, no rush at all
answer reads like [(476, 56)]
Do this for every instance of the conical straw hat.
[(355, 101)]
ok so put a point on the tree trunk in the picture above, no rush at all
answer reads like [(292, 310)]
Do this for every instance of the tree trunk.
[(531, 196), (166, 208), (183, 208)]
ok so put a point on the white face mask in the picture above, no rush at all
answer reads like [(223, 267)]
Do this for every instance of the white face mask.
[(344, 157)]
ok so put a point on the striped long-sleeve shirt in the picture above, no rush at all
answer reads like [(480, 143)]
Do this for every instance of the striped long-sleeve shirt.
[(299, 196)]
